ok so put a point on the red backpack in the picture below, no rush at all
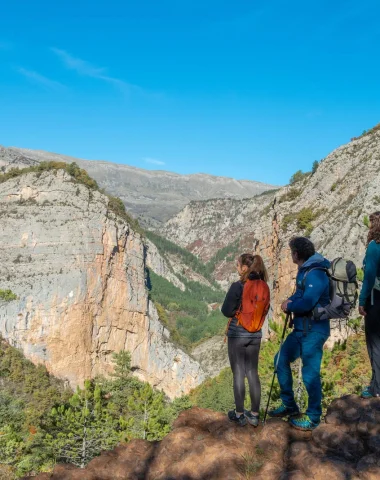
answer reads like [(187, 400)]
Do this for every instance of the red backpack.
[(254, 305)]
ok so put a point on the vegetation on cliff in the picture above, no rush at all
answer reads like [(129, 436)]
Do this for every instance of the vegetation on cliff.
[(186, 313)]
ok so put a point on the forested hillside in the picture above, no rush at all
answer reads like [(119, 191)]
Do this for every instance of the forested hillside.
[(43, 422)]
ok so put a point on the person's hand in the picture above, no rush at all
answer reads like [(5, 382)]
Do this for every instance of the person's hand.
[(362, 312), (284, 305)]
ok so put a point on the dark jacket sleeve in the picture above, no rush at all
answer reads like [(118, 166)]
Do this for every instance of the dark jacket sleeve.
[(233, 299), (316, 283)]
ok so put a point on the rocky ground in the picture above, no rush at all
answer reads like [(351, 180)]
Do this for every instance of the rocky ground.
[(203, 445)]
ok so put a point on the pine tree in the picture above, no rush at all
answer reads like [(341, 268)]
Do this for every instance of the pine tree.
[(81, 429)]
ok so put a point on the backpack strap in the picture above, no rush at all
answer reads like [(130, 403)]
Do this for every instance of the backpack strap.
[(310, 270)]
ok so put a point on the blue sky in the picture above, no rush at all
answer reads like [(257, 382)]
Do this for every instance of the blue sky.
[(246, 89)]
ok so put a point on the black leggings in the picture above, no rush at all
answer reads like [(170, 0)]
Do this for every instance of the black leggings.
[(372, 335), (243, 353)]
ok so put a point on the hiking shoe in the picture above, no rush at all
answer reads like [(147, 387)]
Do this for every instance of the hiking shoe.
[(252, 419), (303, 423), (283, 411), (366, 393), (241, 421)]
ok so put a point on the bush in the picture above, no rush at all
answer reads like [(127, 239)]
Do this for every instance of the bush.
[(291, 195), (366, 221), (304, 219), (7, 295), (360, 274), (298, 177), (315, 166)]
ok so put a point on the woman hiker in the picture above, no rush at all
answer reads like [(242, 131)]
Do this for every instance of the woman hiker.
[(369, 303), (243, 344)]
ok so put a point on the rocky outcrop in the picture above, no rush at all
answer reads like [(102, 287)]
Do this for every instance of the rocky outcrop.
[(151, 196), (329, 205), (79, 274), (204, 445), (161, 265)]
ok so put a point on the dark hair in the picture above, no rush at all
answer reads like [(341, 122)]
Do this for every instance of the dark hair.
[(374, 231), (255, 264), (303, 247)]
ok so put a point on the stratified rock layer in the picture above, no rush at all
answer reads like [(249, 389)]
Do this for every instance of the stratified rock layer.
[(79, 274)]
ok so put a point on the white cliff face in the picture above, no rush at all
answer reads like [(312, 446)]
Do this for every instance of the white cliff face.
[(79, 274)]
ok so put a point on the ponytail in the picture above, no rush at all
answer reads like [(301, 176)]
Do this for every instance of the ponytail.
[(255, 264)]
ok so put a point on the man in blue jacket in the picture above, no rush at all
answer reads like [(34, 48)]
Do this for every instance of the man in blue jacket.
[(308, 336)]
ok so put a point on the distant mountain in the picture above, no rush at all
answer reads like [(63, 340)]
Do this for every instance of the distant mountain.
[(151, 196)]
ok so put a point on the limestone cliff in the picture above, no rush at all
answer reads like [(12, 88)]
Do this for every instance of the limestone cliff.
[(79, 274)]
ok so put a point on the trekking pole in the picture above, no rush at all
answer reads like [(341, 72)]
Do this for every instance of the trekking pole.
[(276, 365)]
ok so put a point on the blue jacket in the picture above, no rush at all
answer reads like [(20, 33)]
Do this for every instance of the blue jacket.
[(371, 265), (315, 293)]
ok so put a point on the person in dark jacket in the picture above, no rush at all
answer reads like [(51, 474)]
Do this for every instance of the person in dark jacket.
[(369, 303), (244, 346), (308, 336)]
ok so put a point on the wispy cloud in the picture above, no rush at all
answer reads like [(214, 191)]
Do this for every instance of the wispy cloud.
[(41, 80), (153, 161), (82, 67)]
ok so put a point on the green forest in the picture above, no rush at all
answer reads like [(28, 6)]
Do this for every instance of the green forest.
[(42, 423), (185, 313)]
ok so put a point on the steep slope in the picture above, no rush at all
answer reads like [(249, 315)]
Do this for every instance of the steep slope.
[(330, 206), (151, 196), (78, 271)]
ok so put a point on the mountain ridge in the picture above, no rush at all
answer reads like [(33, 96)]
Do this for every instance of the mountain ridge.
[(152, 196)]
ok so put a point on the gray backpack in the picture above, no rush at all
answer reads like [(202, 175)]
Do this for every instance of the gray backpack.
[(343, 290)]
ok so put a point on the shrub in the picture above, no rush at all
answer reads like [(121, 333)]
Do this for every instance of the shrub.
[(366, 221), (298, 176), (291, 195), (7, 295), (360, 274), (304, 218), (315, 166)]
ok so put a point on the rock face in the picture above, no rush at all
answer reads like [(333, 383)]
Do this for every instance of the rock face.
[(151, 196), (79, 274), (329, 205), (204, 445)]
